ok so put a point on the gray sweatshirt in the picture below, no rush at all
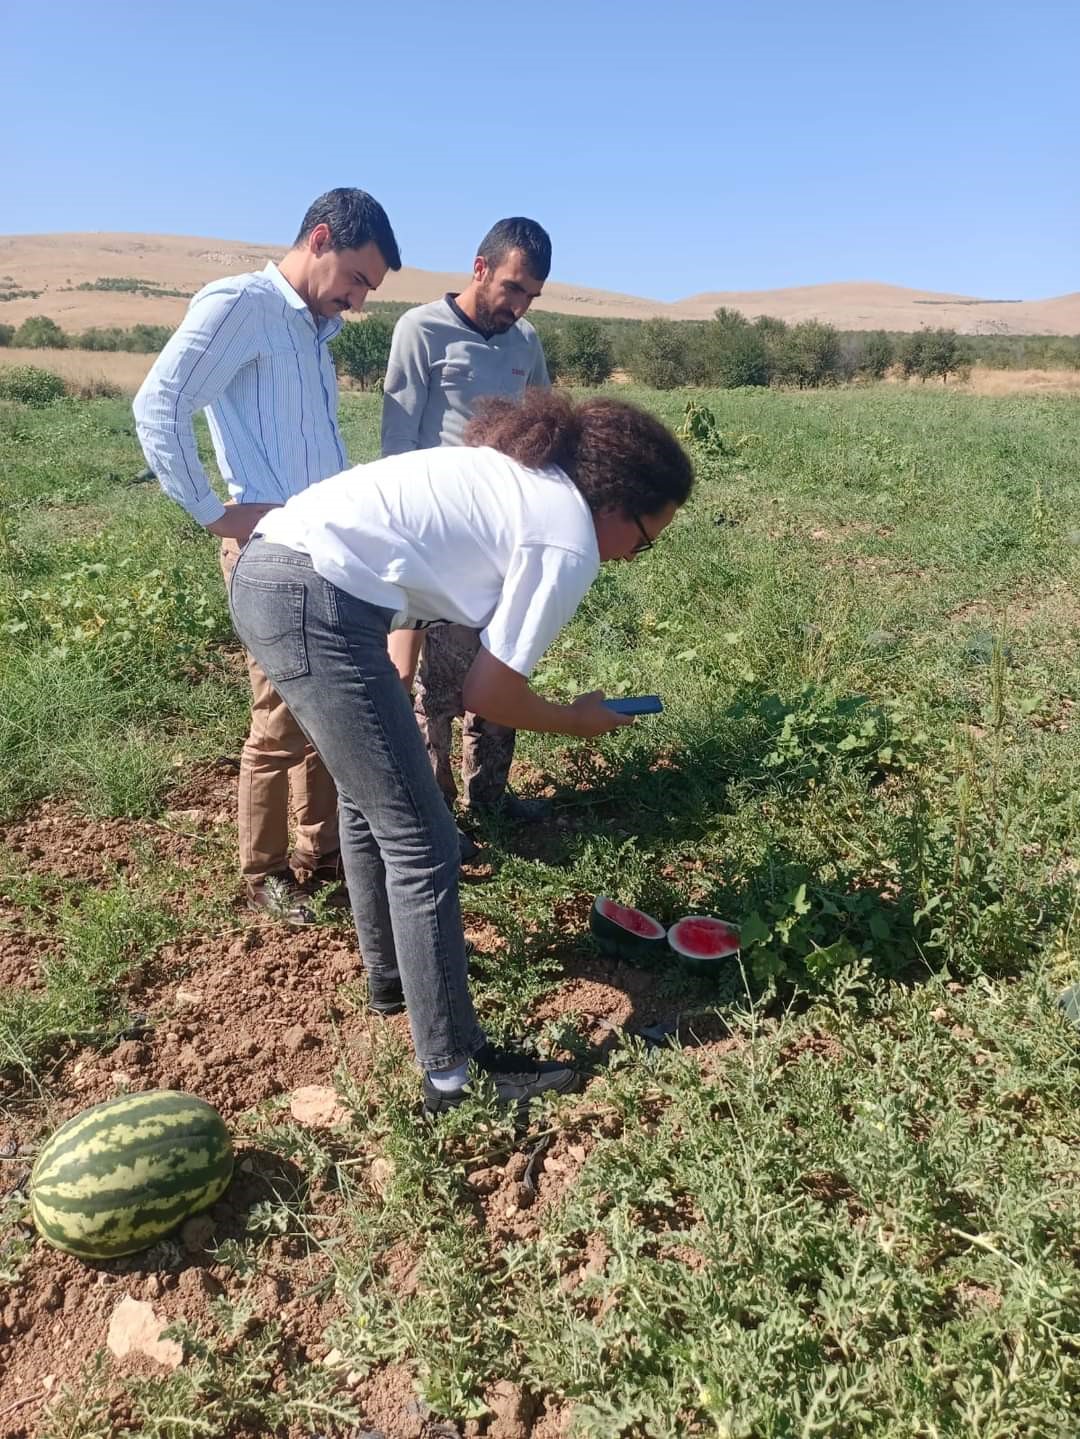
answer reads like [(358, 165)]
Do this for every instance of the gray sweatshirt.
[(440, 365)]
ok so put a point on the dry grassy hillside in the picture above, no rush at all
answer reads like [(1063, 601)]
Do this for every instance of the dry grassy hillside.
[(55, 265)]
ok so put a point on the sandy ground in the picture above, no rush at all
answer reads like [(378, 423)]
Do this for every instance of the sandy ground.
[(55, 265)]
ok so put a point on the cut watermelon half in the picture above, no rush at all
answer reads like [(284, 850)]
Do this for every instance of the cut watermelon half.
[(627, 933), (705, 944)]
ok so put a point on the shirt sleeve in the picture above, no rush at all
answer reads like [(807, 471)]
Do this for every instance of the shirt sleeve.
[(216, 338), (405, 388), (543, 587), (538, 375)]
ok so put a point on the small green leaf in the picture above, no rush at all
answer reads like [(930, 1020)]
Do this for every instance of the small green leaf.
[(753, 930)]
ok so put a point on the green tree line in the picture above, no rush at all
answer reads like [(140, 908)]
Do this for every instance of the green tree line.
[(40, 333), (727, 351)]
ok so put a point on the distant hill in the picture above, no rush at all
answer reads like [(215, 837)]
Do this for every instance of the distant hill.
[(56, 265)]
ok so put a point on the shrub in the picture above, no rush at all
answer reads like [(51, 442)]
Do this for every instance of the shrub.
[(94, 387), (551, 339), (661, 356), (874, 355), (362, 350), (31, 385), (100, 338), (130, 285), (731, 353), (586, 352), (146, 339), (140, 339), (934, 352), (808, 355), (7, 334), (40, 333)]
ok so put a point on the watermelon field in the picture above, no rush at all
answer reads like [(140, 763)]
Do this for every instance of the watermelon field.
[(835, 1197)]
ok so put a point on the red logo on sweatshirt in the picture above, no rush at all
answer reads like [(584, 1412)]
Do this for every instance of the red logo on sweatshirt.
[(518, 372)]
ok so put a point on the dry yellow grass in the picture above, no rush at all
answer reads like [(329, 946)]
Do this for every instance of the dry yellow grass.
[(85, 366), (56, 265), (985, 381)]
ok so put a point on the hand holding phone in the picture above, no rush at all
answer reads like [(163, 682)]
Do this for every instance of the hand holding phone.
[(636, 705)]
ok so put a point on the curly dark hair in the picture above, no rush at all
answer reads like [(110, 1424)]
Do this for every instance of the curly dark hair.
[(621, 458)]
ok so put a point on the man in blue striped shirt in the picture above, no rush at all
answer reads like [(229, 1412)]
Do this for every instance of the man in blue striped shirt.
[(253, 353)]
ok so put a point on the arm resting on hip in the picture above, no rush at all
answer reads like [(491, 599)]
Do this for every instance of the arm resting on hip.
[(238, 521)]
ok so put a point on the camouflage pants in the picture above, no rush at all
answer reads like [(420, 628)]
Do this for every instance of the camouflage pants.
[(487, 748)]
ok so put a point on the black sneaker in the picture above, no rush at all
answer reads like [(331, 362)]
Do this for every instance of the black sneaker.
[(468, 849), (386, 997), (517, 1078), (283, 897)]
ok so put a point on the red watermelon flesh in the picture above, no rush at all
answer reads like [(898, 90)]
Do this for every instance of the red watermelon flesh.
[(627, 933), (700, 936), (634, 921)]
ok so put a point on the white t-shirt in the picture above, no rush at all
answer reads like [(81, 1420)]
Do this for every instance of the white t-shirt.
[(455, 535)]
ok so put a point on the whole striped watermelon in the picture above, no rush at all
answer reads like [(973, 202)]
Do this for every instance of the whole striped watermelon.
[(120, 1176)]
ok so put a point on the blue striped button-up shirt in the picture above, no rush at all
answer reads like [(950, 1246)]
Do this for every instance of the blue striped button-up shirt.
[(252, 355)]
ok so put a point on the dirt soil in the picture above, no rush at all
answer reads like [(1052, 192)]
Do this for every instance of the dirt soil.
[(242, 1018)]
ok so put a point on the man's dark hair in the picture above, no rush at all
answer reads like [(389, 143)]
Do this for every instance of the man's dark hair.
[(353, 218), (620, 457), (518, 233)]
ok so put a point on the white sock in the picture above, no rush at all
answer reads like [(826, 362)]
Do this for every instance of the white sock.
[(448, 1081)]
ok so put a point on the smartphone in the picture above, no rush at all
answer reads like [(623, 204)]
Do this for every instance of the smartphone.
[(636, 705)]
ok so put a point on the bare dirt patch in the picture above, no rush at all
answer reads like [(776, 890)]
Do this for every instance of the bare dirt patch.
[(1056, 608), (246, 1013)]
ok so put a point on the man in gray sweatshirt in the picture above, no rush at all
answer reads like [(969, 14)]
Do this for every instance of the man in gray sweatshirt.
[(445, 356)]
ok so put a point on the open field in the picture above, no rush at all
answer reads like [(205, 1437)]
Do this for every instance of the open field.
[(127, 371), (116, 367), (850, 1208), (48, 271), (986, 381)]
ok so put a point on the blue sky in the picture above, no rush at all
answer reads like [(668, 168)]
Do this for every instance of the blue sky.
[(669, 147)]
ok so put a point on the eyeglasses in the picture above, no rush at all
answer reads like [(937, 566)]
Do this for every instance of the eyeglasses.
[(645, 544)]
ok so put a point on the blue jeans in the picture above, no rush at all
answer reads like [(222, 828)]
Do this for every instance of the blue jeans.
[(325, 653)]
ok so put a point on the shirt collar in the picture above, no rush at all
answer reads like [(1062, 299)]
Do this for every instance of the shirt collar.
[(326, 327), (288, 293), (452, 302)]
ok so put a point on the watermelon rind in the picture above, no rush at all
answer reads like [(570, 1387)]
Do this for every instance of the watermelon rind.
[(124, 1174), (615, 939), (724, 968)]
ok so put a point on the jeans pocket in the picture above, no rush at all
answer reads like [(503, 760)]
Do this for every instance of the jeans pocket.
[(269, 617)]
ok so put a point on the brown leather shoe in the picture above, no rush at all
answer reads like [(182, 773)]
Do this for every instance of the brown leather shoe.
[(328, 872), (282, 897)]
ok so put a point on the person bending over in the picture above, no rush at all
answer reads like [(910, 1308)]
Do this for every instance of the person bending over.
[(504, 535)]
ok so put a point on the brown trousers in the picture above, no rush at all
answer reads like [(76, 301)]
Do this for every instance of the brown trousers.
[(487, 749), (278, 764)]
